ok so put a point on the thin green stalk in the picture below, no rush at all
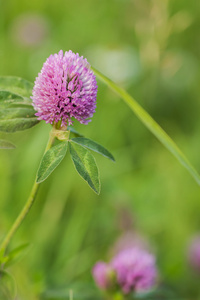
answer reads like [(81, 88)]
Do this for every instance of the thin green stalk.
[(27, 205), (151, 124)]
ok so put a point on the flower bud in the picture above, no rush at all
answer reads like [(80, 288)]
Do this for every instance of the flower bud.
[(103, 275)]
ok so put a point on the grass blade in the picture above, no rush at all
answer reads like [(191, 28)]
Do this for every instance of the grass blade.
[(151, 124)]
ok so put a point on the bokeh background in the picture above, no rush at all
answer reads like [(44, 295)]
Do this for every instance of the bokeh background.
[(152, 49)]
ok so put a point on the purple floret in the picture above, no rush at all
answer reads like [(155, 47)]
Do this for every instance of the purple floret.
[(135, 269), (66, 87)]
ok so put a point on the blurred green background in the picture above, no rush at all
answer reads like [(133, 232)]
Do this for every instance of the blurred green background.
[(152, 49)]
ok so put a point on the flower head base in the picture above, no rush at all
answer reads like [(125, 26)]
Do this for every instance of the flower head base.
[(65, 88)]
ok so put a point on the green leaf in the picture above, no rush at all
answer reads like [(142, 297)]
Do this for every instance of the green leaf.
[(8, 288), (71, 129), (16, 254), (6, 145), (9, 99), (17, 124), (17, 119), (85, 165), (16, 85), (51, 160), (17, 112), (93, 146), (149, 122)]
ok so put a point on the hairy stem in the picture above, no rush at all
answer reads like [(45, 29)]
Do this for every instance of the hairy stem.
[(27, 205)]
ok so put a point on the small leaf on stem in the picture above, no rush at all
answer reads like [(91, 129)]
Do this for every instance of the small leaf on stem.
[(51, 160), (16, 254), (85, 165), (92, 145)]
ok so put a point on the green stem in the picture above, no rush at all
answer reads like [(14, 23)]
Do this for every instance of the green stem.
[(118, 296), (27, 205)]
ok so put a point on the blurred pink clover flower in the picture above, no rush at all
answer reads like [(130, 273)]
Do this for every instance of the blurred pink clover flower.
[(133, 269)]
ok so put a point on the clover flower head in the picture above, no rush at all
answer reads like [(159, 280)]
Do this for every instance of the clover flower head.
[(135, 270), (65, 88), (102, 274)]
